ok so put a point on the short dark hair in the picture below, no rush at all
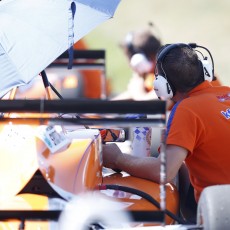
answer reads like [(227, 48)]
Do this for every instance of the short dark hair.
[(183, 68), (146, 42), (142, 41)]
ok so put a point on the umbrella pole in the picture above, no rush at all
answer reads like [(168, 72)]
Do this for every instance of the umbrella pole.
[(46, 84), (13, 93), (48, 91)]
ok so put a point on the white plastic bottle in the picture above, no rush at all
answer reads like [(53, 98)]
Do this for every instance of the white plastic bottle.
[(141, 141)]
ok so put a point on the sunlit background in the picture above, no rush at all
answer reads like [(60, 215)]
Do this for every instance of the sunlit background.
[(205, 22)]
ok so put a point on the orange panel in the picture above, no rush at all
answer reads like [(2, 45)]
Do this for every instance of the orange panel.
[(151, 188), (75, 169)]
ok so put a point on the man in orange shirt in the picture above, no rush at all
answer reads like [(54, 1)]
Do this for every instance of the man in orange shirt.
[(198, 127)]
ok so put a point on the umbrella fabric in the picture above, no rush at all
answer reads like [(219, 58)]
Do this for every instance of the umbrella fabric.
[(33, 33)]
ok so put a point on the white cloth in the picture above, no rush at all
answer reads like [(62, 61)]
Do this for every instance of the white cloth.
[(136, 90)]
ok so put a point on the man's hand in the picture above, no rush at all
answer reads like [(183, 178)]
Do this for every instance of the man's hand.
[(111, 153)]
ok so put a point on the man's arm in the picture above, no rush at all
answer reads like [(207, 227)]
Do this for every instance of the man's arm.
[(144, 167)]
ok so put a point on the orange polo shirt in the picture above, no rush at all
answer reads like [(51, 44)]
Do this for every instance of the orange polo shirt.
[(201, 124)]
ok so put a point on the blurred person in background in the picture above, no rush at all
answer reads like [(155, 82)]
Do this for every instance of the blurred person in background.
[(140, 47)]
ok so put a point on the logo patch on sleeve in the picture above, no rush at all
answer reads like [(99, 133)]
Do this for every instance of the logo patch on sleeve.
[(226, 113)]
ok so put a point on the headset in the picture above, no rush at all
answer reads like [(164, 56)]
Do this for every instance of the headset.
[(138, 60), (162, 86)]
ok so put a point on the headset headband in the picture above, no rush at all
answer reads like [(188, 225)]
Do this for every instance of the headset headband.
[(167, 48)]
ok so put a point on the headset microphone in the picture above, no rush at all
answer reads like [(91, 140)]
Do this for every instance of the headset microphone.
[(208, 68)]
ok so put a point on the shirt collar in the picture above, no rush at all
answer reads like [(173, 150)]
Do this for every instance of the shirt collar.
[(203, 85)]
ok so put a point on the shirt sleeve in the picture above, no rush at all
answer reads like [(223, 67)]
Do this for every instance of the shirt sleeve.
[(183, 128)]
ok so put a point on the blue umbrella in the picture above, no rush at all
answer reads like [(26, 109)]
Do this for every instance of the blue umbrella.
[(33, 33)]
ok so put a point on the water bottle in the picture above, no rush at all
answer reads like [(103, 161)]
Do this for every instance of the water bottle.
[(141, 142), (141, 138)]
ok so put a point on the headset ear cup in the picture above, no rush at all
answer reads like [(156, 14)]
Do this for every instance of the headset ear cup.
[(140, 63), (162, 88), (207, 70)]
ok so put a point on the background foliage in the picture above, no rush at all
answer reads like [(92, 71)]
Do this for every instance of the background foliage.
[(206, 22)]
